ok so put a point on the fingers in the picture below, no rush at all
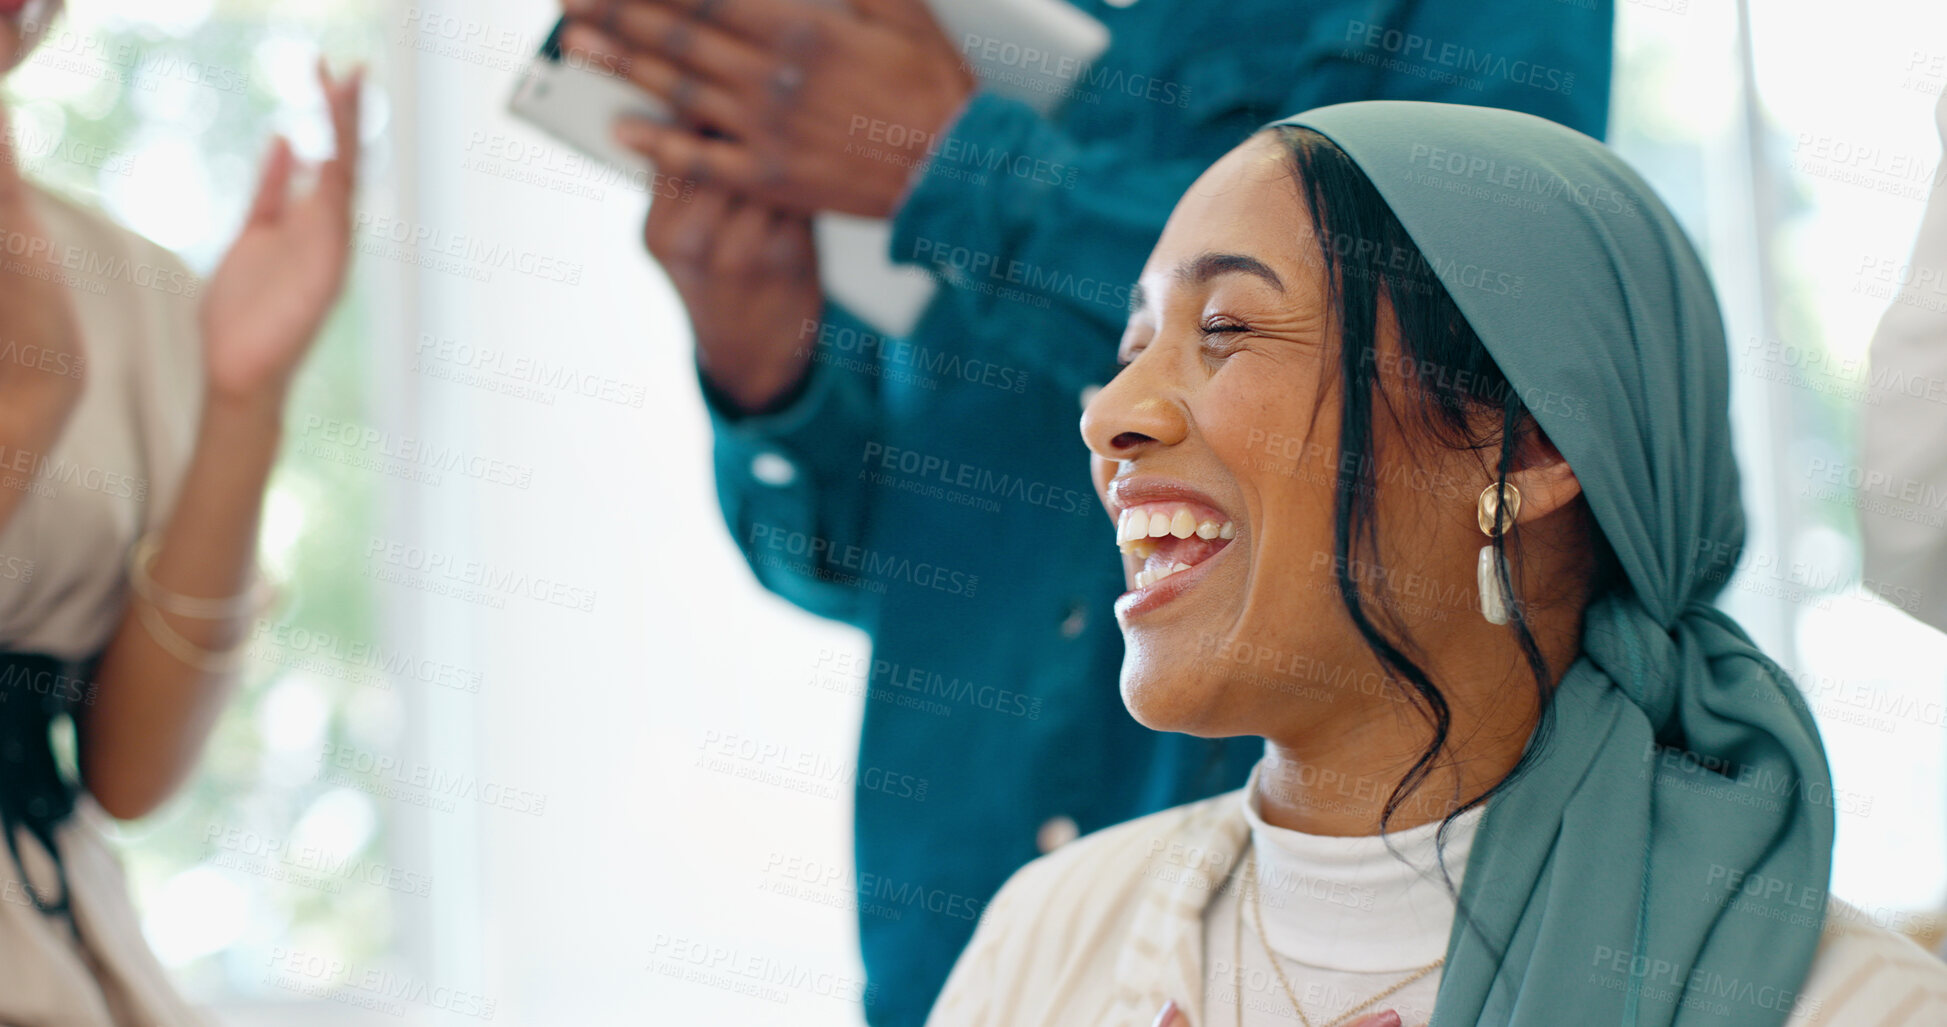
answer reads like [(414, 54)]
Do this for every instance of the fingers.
[(701, 48), (725, 236), (11, 188), (695, 99), (791, 25), (682, 153), (680, 233), (909, 15), (1387, 1018), (274, 183), (787, 244), (340, 173), (1169, 1016)]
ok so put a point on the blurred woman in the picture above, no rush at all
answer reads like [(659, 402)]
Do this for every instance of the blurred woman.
[(140, 413), (1420, 461)]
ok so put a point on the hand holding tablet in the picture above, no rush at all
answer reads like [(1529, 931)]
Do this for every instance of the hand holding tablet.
[(800, 104)]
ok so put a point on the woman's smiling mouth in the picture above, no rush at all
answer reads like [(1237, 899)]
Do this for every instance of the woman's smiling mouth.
[(1168, 535), (1170, 538)]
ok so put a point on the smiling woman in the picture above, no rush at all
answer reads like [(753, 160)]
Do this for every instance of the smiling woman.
[(1519, 770)]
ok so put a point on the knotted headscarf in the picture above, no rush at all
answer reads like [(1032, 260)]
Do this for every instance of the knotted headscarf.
[(1664, 859)]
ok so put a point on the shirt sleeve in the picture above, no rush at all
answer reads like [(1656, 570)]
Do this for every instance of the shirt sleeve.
[(788, 480)]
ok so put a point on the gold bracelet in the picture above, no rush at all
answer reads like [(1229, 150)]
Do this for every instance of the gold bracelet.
[(215, 661), (254, 601)]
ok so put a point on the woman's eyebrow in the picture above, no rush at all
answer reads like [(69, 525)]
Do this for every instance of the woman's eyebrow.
[(1206, 267), (1210, 265)]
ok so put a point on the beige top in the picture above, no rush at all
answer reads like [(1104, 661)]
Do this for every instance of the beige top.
[(112, 476), (1901, 485), (1107, 929)]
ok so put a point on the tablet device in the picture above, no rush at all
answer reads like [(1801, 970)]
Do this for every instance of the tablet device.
[(1032, 50)]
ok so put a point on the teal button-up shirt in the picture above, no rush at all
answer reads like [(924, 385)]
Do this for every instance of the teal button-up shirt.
[(933, 490)]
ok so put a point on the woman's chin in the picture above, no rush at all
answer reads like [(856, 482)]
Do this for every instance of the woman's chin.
[(1182, 702)]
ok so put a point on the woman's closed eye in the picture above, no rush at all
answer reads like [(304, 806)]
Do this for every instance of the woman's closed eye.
[(1215, 330)]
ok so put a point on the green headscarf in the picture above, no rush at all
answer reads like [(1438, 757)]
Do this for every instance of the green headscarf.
[(1665, 858)]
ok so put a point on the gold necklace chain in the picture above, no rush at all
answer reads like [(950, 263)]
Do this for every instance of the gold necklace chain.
[(1237, 959)]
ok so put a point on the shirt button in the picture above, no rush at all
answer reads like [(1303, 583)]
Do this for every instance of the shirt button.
[(773, 470), (1054, 834), (1077, 619)]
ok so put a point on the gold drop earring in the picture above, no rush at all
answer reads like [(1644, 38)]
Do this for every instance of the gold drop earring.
[(1494, 600)]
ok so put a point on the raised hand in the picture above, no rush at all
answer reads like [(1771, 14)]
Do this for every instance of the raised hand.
[(802, 106), (748, 275), (281, 276)]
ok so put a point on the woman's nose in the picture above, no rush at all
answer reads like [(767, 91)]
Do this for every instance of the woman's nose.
[(1139, 408)]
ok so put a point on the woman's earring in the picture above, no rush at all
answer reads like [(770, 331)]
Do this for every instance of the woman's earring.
[(1493, 521)]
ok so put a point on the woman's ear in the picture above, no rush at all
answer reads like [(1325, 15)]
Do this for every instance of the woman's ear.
[(1546, 482)]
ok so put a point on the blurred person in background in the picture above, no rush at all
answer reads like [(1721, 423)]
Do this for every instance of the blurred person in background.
[(140, 414), (821, 423), (1903, 463)]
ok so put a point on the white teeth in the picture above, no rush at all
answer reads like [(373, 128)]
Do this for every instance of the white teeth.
[(1136, 527), (1147, 577)]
